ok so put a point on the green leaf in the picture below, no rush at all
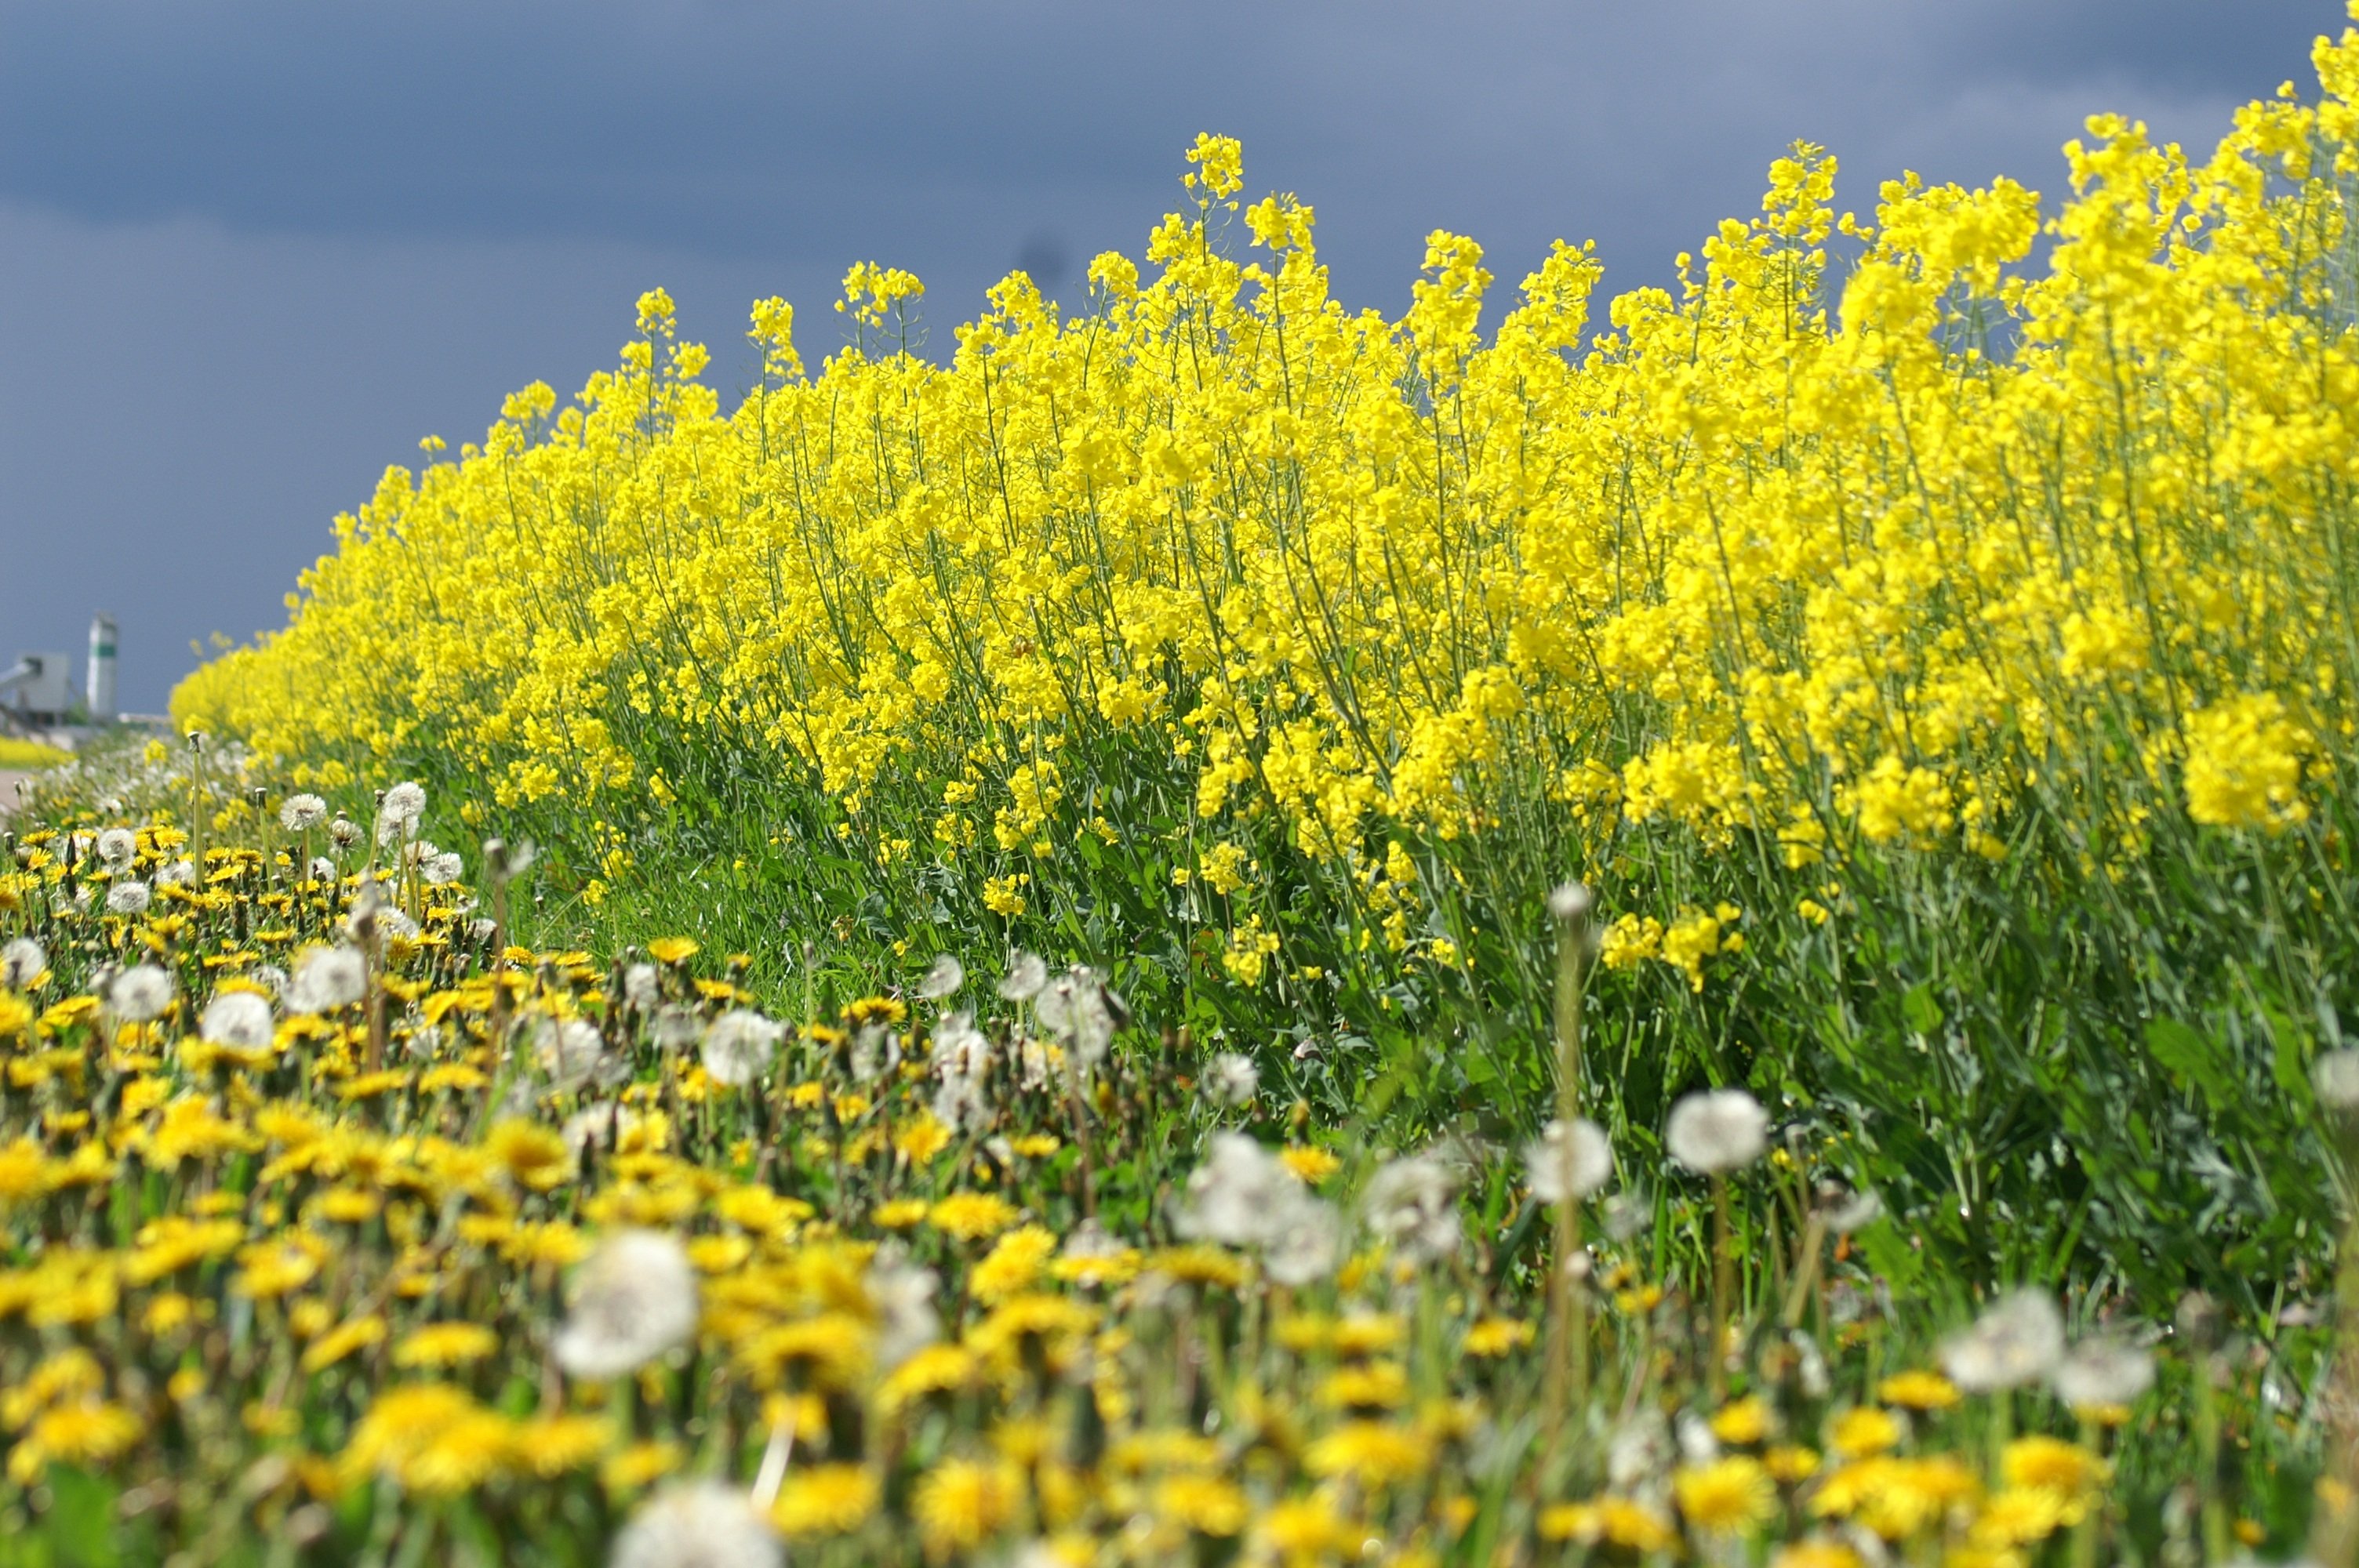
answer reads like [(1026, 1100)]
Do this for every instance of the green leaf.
[(1919, 1009), (2187, 1054)]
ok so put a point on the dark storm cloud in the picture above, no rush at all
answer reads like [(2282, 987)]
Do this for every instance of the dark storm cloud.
[(255, 250), (753, 128)]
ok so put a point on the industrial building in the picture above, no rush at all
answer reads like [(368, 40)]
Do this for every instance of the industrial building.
[(38, 695)]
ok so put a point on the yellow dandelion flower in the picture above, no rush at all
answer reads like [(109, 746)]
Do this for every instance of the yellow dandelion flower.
[(1371, 1453), (2052, 1464), (1208, 1504), (439, 1345), (1918, 1390), (2020, 1516), (1609, 1522), (971, 1217), (1726, 1495), (825, 1499), (1013, 1264), (962, 1503), (1863, 1431), (1495, 1336), (1743, 1422), (640, 1464), (552, 1445)]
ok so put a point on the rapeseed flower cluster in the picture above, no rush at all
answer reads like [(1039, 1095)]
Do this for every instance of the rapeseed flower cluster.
[(1893, 566)]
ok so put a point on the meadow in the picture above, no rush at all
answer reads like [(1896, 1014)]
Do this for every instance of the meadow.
[(1214, 926)]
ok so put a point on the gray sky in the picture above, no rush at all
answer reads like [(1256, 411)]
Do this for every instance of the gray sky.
[(251, 252)]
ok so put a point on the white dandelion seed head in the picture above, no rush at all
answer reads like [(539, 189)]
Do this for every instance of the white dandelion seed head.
[(1232, 1081), (140, 993), (568, 1052), (698, 1524), (1569, 1161), (961, 1063), (270, 977), (1717, 1130), (178, 873), (942, 978), (237, 1018), (344, 832), (443, 869), (1303, 1241), (1570, 902), (327, 978), (633, 1301), (128, 898), (22, 962), (323, 870), (1074, 1008), (1626, 1214), (1032, 1063), (738, 1047), (1232, 1195), (676, 1028), (599, 1128), (405, 802), (118, 847), (1852, 1211), (875, 1051), (1024, 977), (2102, 1371), (642, 986), (902, 1293), (1412, 1204), (2335, 1076), (302, 813), (1639, 1451), (2015, 1342), (1697, 1443)]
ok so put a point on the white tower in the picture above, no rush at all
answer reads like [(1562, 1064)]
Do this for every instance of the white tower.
[(100, 691)]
